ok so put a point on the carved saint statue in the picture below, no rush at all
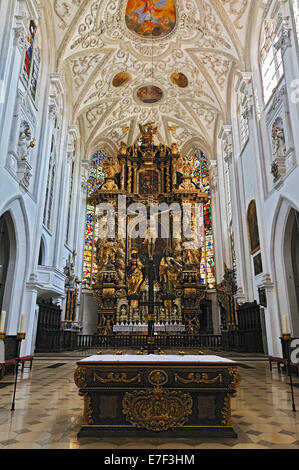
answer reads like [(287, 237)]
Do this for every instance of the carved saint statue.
[(279, 143), (105, 253), (192, 257), (169, 271), (134, 273), (105, 327)]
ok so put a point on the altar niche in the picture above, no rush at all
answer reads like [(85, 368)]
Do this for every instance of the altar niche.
[(149, 267)]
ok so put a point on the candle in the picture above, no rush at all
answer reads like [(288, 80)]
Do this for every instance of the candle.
[(2, 322), (22, 324), (285, 328)]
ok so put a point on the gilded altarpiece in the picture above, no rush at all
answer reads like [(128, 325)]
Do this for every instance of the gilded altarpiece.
[(155, 276)]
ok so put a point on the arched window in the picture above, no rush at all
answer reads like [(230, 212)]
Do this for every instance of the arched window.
[(31, 66), (202, 178), (270, 60), (95, 181)]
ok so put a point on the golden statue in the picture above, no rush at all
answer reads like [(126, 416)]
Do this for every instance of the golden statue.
[(123, 148), (147, 133), (192, 257), (186, 165), (105, 328), (134, 273), (193, 326), (110, 166), (174, 149), (169, 271), (105, 253)]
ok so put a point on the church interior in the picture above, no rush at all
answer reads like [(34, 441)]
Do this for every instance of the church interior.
[(149, 224)]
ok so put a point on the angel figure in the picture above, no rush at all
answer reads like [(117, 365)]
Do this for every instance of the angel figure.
[(25, 143)]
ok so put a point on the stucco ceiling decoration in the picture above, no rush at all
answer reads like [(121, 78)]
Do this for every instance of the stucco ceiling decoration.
[(94, 45)]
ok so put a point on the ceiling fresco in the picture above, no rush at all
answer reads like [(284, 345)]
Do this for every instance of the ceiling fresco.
[(151, 18), (179, 55)]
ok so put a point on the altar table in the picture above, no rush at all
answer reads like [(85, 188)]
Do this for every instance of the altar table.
[(157, 395)]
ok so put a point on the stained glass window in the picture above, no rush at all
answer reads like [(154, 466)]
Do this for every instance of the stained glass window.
[(202, 178), (35, 73), (31, 66), (95, 181)]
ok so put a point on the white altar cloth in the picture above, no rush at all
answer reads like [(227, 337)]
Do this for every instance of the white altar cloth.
[(148, 358)]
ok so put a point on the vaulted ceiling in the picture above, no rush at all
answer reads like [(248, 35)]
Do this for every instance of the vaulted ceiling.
[(94, 44)]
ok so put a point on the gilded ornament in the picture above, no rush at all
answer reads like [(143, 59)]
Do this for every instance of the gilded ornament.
[(79, 377), (113, 378), (179, 79), (87, 413), (157, 409), (158, 378), (236, 378), (226, 411), (198, 378)]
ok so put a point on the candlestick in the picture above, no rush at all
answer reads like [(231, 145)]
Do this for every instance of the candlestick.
[(2, 322), (22, 324), (285, 328)]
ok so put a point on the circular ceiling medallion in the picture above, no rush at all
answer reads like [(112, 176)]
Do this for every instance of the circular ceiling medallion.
[(149, 94), (151, 18), (179, 79), (120, 79)]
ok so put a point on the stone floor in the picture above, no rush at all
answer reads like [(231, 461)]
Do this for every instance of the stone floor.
[(48, 410)]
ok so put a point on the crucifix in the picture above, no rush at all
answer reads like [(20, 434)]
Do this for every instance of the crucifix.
[(151, 297)]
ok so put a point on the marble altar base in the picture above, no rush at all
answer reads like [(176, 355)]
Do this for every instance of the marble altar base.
[(151, 395)]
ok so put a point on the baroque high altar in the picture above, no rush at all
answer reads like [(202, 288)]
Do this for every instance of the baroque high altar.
[(151, 279)]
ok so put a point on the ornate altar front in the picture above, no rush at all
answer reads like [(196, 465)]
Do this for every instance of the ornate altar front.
[(157, 395), (148, 270)]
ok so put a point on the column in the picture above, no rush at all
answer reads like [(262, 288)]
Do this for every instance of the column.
[(287, 44)]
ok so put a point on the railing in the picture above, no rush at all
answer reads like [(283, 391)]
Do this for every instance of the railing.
[(140, 341)]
